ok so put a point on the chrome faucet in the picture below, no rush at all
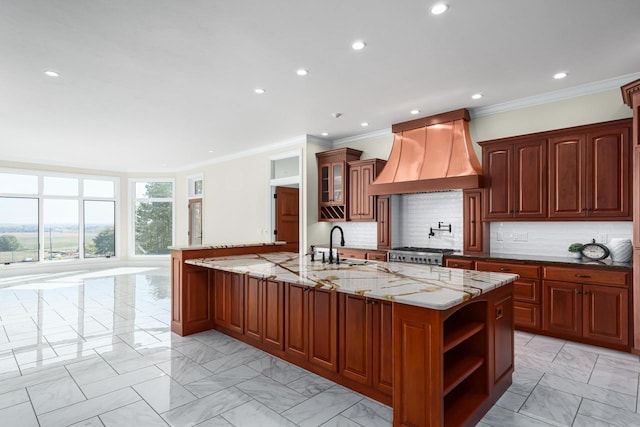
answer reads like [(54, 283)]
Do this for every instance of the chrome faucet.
[(331, 244)]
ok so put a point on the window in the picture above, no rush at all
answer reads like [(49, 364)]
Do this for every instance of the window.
[(196, 186), (50, 217), (153, 217)]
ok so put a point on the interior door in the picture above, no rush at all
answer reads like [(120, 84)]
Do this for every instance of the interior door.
[(287, 216), (195, 222)]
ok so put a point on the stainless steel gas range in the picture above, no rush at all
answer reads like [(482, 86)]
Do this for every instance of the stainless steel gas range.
[(413, 255)]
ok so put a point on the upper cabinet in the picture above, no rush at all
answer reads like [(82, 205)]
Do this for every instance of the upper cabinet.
[(590, 173), (581, 173), (362, 206), (333, 183), (516, 179)]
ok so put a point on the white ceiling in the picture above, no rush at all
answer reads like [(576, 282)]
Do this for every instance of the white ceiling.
[(154, 85)]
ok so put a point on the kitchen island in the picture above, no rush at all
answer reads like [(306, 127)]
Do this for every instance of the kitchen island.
[(435, 343)]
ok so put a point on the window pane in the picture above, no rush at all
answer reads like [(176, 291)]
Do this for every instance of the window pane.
[(55, 186), (18, 229), (154, 189), (153, 228), (98, 188), (61, 234), (285, 167), (18, 184), (197, 187), (99, 229)]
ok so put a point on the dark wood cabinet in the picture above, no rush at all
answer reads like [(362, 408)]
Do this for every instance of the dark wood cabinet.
[(333, 183), (475, 237), (578, 307), (453, 262), (199, 314), (311, 329), (366, 341), (264, 312), (516, 173), (383, 231), (362, 206), (229, 301)]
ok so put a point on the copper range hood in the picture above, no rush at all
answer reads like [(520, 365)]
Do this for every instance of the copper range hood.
[(430, 154)]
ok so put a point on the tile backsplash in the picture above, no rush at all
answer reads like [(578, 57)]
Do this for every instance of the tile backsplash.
[(553, 238), (357, 235)]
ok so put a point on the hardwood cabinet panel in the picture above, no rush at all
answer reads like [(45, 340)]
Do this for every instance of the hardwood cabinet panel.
[(562, 308), (273, 314), (527, 290), (220, 291), (475, 231), (527, 315), (198, 293), (383, 346), (503, 338), (253, 308), (236, 303), (362, 206), (384, 222), (377, 256), (530, 179), (352, 253), (323, 328), (467, 264), (584, 275), (606, 314), (523, 270), (355, 338), (498, 170), (297, 320), (333, 183), (567, 191), (609, 165)]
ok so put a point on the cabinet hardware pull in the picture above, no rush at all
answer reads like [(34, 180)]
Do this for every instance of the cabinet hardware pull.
[(374, 302), (583, 276), (505, 269), (577, 292)]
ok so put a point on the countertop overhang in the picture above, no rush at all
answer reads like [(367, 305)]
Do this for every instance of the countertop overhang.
[(433, 287)]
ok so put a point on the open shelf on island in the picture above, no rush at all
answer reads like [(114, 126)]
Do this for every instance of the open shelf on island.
[(459, 335), (460, 370)]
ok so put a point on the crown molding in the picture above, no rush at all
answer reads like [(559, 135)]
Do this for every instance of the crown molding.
[(369, 135), (558, 95)]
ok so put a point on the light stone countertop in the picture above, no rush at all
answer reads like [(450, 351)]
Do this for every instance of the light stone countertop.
[(432, 287), (223, 246)]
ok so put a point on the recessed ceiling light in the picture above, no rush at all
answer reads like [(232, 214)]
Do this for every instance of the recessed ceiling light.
[(259, 90), (439, 8), (414, 112), (476, 96), (358, 45), (52, 73), (302, 72), (560, 75), (364, 124), (324, 134), (211, 151)]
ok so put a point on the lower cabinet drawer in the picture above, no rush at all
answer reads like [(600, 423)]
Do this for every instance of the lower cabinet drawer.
[(377, 256), (527, 290), (526, 315), (582, 275), (467, 264), (353, 254), (523, 270)]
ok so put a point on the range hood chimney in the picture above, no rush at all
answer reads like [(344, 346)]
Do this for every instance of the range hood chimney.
[(430, 154)]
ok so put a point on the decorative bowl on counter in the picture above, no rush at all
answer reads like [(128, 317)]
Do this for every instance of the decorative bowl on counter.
[(621, 250)]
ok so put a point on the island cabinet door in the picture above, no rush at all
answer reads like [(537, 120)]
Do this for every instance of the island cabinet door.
[(503, 338), (220, 286), (323, 328), (382, 346), (297, 321), (562, 311), (273, 314), (235, 304), (253, 308), (355, 338), (198, 314)]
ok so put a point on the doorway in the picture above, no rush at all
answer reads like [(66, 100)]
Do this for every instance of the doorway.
[(195, 222), (288, 217)]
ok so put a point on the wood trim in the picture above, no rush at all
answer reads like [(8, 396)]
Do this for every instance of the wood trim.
[(461, 114), (629, 90), (419, 186)]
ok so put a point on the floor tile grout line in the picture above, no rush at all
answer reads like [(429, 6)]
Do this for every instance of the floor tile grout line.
[(149, 404), (32, 407)]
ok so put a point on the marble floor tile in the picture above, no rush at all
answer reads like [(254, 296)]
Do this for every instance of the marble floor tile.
[(91, 422), (19, 415), (90, 343), (277, 369), (91, 370), (163, 394), (136, 363), (576, 358), (332, 401), (108, 385), (8, 363), (253, 414), (184, 370), (370, 413), (500, 417), (547, 344), (13, 398), (134, 414), (271, 393), (118, 352), (220, 381), (218, 421), (138, 338), (627, 357), (511, 401), (584, 421), (608, 414), (231, 347), (564, 371), (198, 352), (205, 408), (552, 406), (55, 394), (615, 378), (234, 360), (340, 421), (603, 395), (58, 361), (31, 379), (524, 379), (310, 385), (88, 408)]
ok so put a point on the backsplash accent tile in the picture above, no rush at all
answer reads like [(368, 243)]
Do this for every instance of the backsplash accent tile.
[(357, 235), (553, 238)]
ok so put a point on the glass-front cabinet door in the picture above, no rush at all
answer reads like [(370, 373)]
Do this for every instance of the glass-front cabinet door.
[(324, 184), (337, 182)]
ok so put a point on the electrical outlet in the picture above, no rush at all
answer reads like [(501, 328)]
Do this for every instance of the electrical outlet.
[(520, 237)]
